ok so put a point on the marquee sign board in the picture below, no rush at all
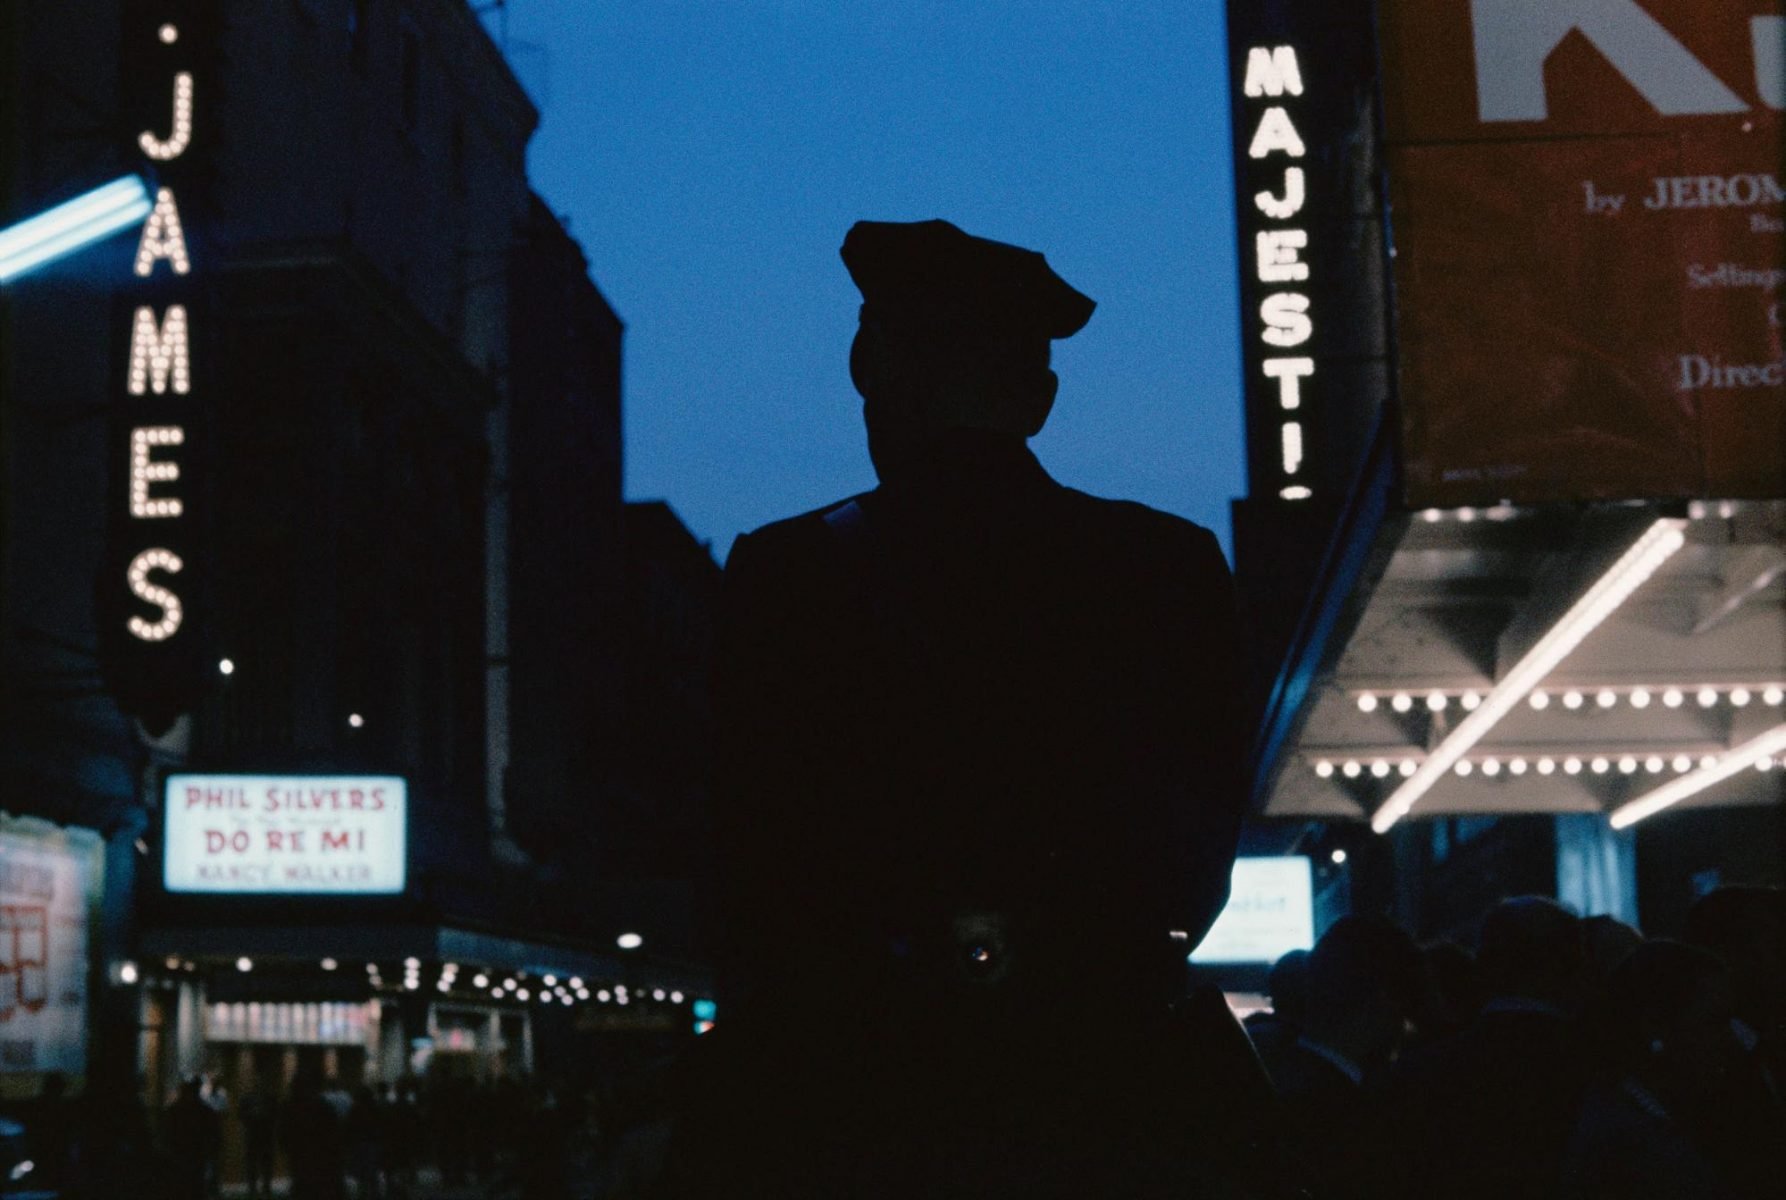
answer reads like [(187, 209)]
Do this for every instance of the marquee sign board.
[(50, 883), (1589, 220), (285, 834), (1270, 912)]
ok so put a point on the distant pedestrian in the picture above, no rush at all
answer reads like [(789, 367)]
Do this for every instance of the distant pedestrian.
[(49, 1130), (364, 1134), (192, 1138), (310, 1129), (258, 1113)]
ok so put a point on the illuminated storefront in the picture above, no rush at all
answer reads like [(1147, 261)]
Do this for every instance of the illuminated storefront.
[(1545, 569)]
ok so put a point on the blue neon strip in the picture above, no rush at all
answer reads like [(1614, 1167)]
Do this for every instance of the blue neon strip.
[(70, 226)]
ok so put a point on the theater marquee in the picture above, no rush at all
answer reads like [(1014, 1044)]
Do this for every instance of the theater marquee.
[(294, 834), (1588, 215)]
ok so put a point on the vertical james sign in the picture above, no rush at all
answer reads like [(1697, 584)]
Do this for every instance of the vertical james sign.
[(152, 590), (1588, 218)]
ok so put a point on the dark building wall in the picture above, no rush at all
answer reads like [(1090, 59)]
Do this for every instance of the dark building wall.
[(658, 829), (366, 178), (566, 587)]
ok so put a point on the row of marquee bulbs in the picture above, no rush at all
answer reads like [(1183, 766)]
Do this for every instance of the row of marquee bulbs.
[(1697, 510), (1469, 699), (550, 988), (1574, 764)]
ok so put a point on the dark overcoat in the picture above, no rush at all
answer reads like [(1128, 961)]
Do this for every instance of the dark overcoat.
[(981, 758)]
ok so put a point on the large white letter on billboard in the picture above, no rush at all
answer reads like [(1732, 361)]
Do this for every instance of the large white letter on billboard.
[(1769, 36), (1515, 37)]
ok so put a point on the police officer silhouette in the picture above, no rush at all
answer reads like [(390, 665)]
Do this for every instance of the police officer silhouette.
[(981, 780)]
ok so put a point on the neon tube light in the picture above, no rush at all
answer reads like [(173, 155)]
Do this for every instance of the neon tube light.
[(72, 225), (1673, 792), (1650, 551)]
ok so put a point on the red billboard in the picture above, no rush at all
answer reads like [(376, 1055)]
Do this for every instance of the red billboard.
[(1588, 229)]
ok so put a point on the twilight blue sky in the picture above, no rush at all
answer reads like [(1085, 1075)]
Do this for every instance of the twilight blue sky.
[(710, 155)]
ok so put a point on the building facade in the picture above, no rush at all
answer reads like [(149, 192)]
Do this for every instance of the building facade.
[(1532, 513), (311, 548)]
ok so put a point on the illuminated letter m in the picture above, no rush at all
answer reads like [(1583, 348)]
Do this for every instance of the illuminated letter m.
[(1273, 72), (1514, 37)]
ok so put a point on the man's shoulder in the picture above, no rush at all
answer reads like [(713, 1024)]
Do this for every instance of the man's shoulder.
[(792, 545), (1129, 522), (791, 532)]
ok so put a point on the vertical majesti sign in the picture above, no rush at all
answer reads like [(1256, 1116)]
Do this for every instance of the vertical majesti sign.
[(1310, 224), (152, 592), (1273, 84)]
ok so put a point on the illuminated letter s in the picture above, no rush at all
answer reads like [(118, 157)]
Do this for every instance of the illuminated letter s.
[(169, 604)]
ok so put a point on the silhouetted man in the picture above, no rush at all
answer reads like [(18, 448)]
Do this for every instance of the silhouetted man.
[(981, 760)]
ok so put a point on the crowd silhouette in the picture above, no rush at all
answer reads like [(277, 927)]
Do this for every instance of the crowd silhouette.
[(317, 1138), (1560, 1058), (1564, 1059)]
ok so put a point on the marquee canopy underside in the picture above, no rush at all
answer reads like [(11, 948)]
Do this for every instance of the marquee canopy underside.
[(1689, 667)]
